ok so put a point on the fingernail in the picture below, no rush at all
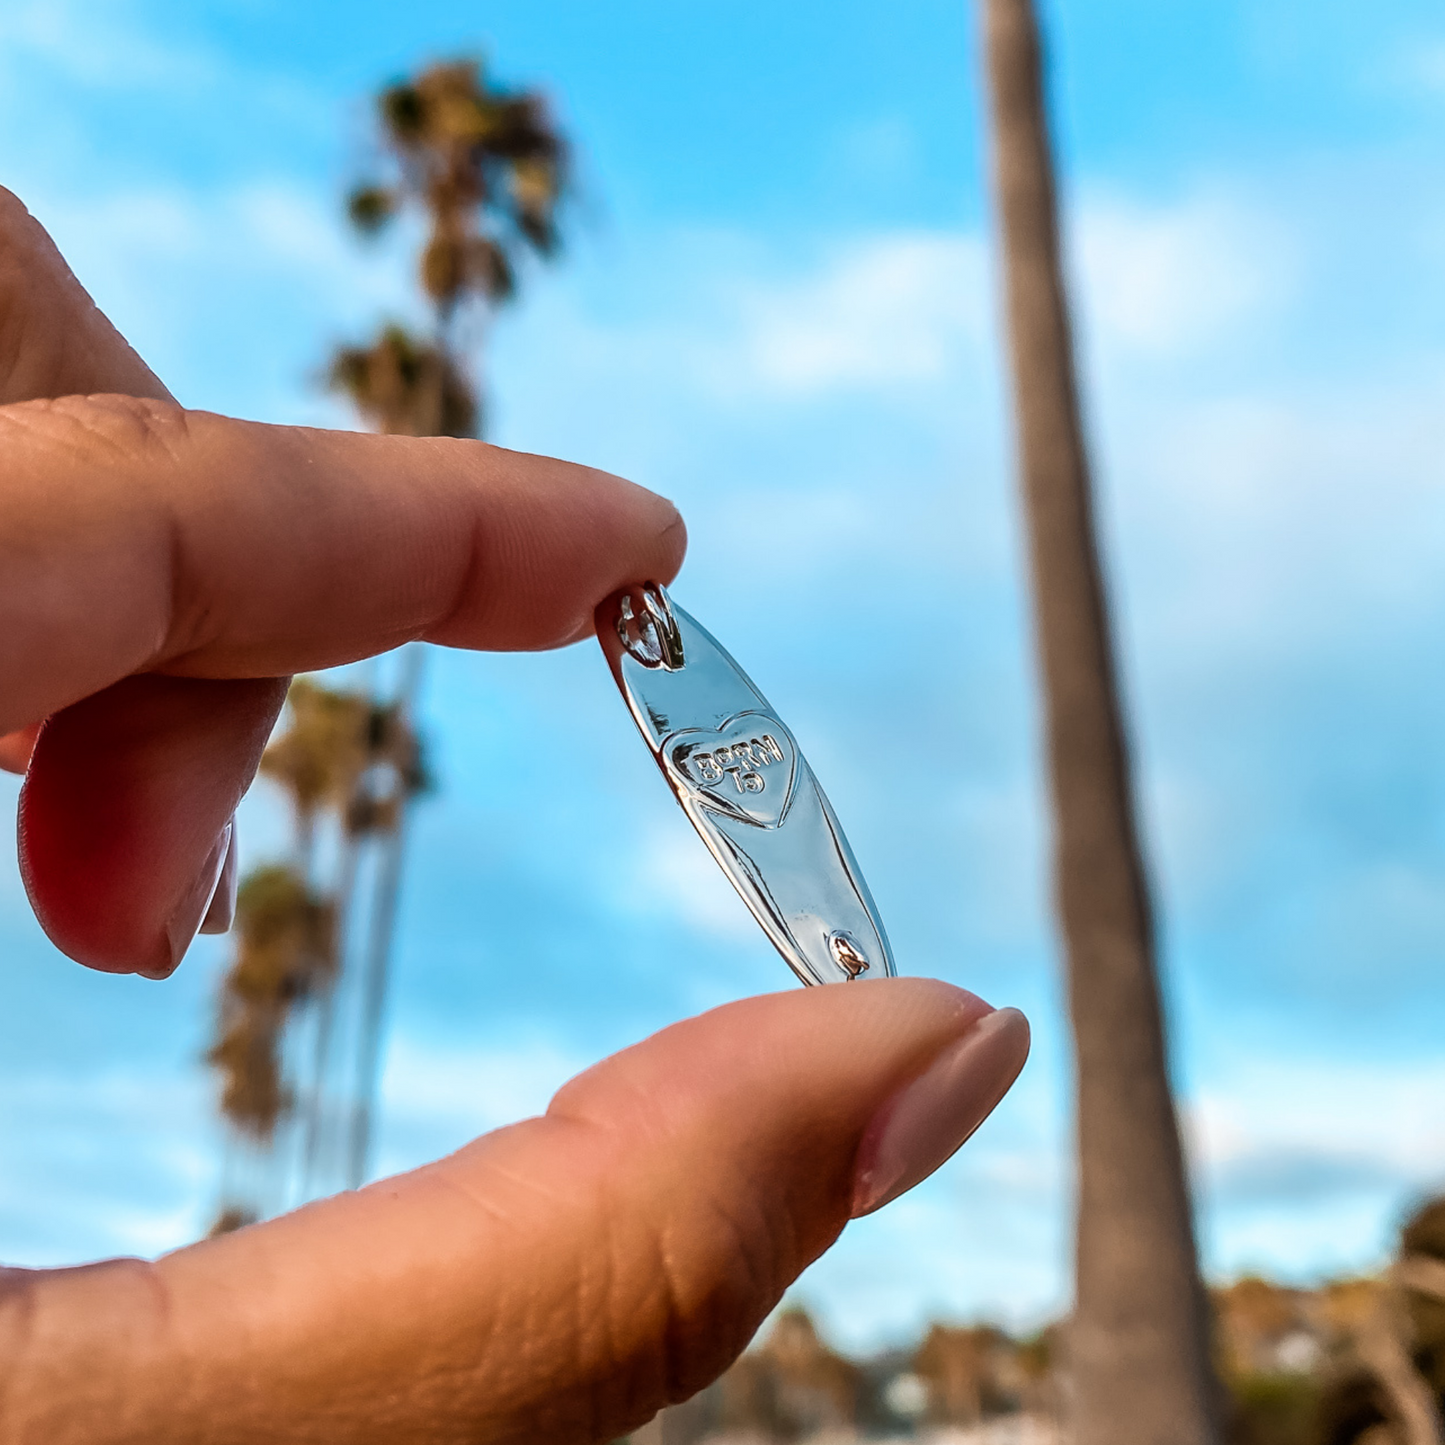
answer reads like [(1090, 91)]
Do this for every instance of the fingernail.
[(222, 911), (185, 921), (924, 1124)]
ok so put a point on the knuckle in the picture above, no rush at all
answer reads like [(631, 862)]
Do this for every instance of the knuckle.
[(133, 427), (119, 429)]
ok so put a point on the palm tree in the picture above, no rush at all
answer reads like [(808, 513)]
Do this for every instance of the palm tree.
[(486, 168), (348, 765), (284, 956), (1138, 1342), (319, 757)]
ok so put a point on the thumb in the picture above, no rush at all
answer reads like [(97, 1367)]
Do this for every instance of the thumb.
[(557, 1281)]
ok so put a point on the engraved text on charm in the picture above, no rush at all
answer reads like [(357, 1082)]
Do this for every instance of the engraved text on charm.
[(737, 771), (744, 769)]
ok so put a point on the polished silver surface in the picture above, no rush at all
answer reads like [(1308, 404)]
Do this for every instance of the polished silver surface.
[(738, 773)]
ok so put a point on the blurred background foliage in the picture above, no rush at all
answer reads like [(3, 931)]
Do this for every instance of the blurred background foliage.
[(1324, 1366)]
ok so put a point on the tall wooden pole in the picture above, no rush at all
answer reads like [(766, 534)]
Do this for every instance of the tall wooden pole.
[(1138, 1345)]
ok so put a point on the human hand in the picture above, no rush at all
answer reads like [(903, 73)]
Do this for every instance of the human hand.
[(161, 573)]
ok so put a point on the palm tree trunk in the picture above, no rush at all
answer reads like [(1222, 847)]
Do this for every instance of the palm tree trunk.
[(321, 1101), (1138, 1345), (377, 960)]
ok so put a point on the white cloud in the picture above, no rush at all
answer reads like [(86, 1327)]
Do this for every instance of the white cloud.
[(434, 1098), (730, 322), (113, 1161), (1163, 281), (1388, 1114), (1305, 1166), (1420, 64), (272, 231), (880, 315), (880, 312), (912, 313), (487, 1087), (93, 43), (681, 879), (1274, 524)]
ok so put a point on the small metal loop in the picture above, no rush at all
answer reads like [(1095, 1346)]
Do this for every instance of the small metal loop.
[(847, 953), (650, 634), (669, 635)]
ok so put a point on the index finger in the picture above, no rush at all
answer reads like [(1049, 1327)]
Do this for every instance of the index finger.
[(137, 536)]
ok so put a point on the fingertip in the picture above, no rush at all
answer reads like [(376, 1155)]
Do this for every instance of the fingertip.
[(927, 1121), (125, 815)]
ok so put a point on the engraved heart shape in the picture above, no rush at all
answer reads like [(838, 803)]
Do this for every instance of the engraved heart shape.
[(745, 768)]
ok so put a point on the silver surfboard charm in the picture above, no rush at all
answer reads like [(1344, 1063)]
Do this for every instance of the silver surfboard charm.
[(740, 777)]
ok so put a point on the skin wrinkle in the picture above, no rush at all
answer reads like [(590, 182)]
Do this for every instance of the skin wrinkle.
[(125, 428), (463, 1188), (645, 1114), (443, 1381), (470, 581), (679, 1313), (523, 1185), (36, 422), (509, 553), (469, 584), (609, 1301), (544, 1348), (139, 427), (765, 1276), (512, 547), (633, 1097), (32, 419), (597, 1325), (532, 1332), (12, 319), (165, 426), (599, 1364), (605, 1307), (671, 1345), (685, 1315), (241, 1330), (471, 576), (163, 1304), (680, 1379), (15, 324), (133, 1280), (176, 578)]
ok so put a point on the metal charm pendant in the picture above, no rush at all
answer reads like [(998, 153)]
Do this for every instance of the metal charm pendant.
[(738, 773)]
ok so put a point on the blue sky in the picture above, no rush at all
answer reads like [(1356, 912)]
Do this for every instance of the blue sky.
[(778, 303)]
